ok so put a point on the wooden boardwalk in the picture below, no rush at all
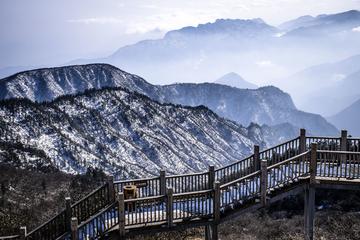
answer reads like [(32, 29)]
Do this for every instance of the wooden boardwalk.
[(167, 203)]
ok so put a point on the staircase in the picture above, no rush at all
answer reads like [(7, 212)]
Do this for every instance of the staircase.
[(168, 203)]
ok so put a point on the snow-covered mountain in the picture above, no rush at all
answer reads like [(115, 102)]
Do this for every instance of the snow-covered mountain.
[(235, 80), (348, 119), (49, 83), (121, 132), (266, 105)]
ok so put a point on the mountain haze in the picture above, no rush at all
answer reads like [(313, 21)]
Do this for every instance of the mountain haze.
[(326, 88), (264, 53), (235, 80), (348, 119)]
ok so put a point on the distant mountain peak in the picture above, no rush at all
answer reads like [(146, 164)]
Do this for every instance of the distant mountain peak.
[(231, 26), (233, 79), (340, 17), (326, 20)]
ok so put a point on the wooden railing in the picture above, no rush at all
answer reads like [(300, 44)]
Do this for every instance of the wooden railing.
[(188, 182), (91, 204), (240, 191), (281, 152), (145, 210), (353, 145), (164, 199), (187, 206), (52, 229), (97, 225), (145, 187), (82, 210), (235, 170), (288, 171), (338, 164), (324, 143)]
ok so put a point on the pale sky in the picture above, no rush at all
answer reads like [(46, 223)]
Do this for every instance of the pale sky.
[(50, 32)]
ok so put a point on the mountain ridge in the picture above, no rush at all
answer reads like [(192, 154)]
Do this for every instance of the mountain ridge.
[(265, 105), (86, 130)]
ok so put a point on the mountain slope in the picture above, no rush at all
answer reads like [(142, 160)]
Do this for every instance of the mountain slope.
[(266, 105), (235, 80), (348, 119), (123, 133), (48, 83)]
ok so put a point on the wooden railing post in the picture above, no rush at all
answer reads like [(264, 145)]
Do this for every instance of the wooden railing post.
[(216, 202), (23, 232), (343, 140), (263, 182), (256, 158), (309, 211), (121, 216), (68, 213), (111, 187), (74, 228), (313, 163), (169, 207), (343, 147), (162, 182), (211, 176), (302, 140)]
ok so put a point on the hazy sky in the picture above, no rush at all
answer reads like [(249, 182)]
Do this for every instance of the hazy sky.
[(48, 32)]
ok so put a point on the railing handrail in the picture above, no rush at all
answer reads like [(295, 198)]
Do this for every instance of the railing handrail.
[(136, 180), (338, 152), (167, 176), (144, 198), (323, 137), (234, 163), (47, 222), (98, 214), (279, 145), (193, 193), (62, 211), (249, 156), (240, 179), (89, 195), (187, 175), (288, 160), (10, 237)]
